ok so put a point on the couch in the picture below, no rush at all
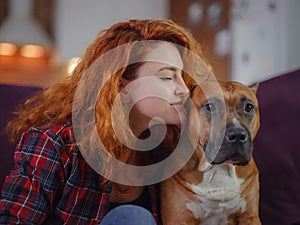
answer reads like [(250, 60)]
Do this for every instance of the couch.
[(276, 147), (11, 96)]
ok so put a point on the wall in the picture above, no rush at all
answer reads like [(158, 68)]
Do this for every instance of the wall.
[(265, 36), (265, 33), (78, 22), (293, 33)]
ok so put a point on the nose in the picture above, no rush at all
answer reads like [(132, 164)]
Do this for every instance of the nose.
[(181, 88), (236, 136)]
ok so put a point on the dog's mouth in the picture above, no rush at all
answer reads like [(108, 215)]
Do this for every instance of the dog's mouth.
[(225, 157), (238, 160), (236, 154)]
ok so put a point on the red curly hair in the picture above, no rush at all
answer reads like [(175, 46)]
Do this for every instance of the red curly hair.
[(54, 105)]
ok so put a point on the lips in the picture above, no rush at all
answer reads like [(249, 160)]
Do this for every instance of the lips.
[(176, 103)]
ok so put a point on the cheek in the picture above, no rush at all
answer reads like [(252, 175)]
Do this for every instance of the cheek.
[(205, 131), (141, 90), (194, 124), (254, 126), (199, 127), (152, 106), (156, 107)]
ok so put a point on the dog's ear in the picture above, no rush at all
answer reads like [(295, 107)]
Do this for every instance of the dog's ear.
[(254, 88)]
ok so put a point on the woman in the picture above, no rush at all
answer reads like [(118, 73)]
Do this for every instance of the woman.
[(129, 77)]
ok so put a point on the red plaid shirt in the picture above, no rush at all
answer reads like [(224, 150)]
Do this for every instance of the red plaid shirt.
[(50, 183)]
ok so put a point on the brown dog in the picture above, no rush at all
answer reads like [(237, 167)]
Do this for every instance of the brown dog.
[(219, 185)]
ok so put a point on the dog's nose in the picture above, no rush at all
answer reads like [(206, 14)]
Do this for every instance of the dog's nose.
[(236, 135)]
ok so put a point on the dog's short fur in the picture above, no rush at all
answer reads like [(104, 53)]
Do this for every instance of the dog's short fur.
[(219, 185)]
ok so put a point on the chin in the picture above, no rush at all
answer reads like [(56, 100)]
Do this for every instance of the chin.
[(175, 121)]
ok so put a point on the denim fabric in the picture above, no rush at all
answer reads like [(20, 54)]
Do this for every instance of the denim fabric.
[(128, 215)]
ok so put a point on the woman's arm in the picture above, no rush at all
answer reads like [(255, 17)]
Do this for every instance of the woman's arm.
[(33, 187)]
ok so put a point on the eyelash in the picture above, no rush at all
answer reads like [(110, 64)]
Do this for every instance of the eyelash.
[(166, 78)]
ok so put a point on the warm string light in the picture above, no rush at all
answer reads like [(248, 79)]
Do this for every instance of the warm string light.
[(27, 51), (8, 49), (32, 51)]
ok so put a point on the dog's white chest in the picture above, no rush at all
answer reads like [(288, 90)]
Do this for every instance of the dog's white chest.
[(219, 193)]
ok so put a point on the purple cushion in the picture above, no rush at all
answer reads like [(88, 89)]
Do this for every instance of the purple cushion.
[(10, 98), (277, 150)]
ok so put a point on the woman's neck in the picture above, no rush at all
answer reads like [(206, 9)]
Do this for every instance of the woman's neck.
[(139, 123)]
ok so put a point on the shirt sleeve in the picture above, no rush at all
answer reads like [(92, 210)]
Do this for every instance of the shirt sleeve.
[(33, 187)]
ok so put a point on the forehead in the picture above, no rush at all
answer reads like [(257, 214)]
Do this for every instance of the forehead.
[(234, 90), (165, 54), (205, 91), (229, 91)]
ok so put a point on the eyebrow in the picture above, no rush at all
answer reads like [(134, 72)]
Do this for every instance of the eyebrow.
[(172, 68)]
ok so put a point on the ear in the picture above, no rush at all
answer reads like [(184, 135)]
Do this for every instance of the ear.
[(254, 88), (125, 96), (123, 82)]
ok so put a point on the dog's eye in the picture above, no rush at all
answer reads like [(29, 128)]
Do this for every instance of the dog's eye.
[(249, 108), (210, 107)]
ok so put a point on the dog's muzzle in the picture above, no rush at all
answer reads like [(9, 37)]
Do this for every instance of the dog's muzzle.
[(236, 147)]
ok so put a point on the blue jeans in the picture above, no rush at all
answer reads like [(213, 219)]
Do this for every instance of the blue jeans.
[(128, 215)]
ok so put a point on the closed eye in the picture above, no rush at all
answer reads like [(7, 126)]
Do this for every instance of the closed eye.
[(165, 78), (169, 73)]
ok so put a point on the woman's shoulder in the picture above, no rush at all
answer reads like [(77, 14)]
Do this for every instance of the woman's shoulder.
[(59, 134), (57, 137)]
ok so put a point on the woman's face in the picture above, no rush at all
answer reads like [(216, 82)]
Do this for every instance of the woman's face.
[(159, 91)]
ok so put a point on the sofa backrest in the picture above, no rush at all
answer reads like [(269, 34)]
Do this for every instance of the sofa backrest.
[(10, 99), (277, 149)]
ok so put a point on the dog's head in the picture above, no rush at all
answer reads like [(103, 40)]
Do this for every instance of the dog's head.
[(226, 117)]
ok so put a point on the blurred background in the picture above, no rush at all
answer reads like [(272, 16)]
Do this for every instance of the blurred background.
[(244, 40)]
